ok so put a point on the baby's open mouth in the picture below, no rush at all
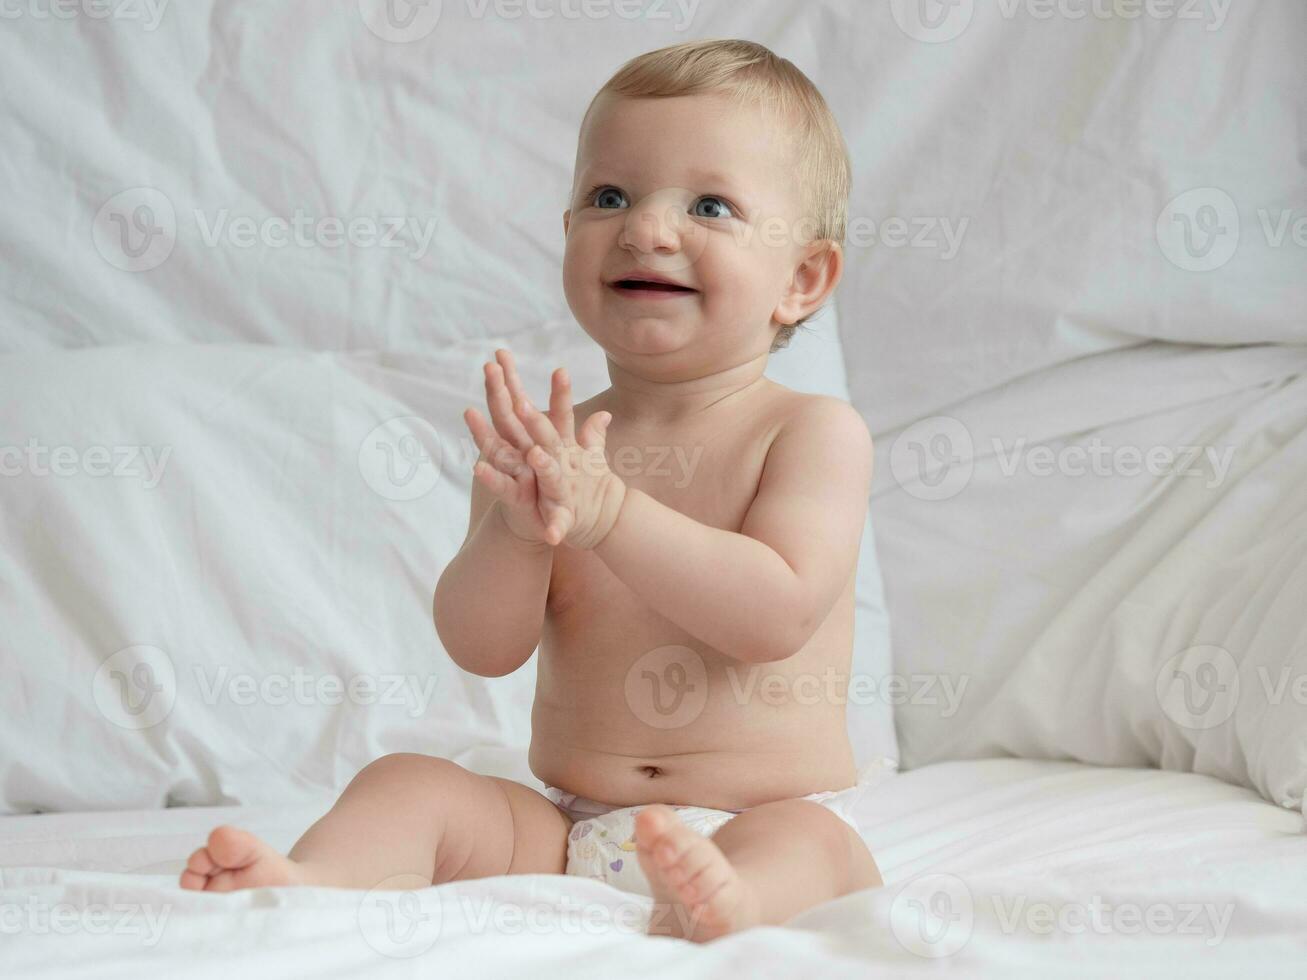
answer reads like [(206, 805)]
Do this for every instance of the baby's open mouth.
[(644, 285)]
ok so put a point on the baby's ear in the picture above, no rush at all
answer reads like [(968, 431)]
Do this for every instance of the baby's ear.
[(815, 278), (567, 221)]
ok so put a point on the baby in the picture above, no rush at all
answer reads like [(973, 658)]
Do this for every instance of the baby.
[(685, 616)]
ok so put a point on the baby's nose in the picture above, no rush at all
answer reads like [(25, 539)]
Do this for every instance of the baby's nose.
[(656, 224)]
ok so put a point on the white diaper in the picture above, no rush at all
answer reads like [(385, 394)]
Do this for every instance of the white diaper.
[(601, 844)]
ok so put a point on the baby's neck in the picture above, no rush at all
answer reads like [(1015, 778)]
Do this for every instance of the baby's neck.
[(642, 401)]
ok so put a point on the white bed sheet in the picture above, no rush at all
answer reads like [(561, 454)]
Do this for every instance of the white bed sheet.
[(1021, 846)]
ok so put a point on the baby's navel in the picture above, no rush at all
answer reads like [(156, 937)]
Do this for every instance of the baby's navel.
[(651, 771)]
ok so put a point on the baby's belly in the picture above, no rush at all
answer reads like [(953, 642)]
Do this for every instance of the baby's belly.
[(632, 716)]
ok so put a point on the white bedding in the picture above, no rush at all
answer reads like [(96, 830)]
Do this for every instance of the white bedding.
[(1054, 868)]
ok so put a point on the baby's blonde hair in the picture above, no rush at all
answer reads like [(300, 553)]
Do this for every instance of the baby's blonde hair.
[(754, 74)]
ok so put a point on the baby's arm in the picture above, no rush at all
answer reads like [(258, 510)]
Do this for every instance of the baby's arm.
[(489, 604), (760, 594)]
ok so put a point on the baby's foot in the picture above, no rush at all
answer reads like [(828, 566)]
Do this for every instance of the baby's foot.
[(697, 893), (235, 859)]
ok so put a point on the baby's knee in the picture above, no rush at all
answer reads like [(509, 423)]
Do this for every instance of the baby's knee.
[(409, 768)]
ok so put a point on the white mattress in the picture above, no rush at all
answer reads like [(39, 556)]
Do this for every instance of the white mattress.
[(1020, 845)]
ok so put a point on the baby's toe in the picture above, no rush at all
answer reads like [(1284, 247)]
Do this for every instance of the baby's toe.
[(651, 824), (706, 884), (232, 848)]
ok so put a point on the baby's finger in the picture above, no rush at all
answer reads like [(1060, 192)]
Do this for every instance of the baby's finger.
[(549, 475), (511, 378), (594, 433), (494, 450), (560, 405), (505, 418), (496, 482), (538, 426), (560, 522)]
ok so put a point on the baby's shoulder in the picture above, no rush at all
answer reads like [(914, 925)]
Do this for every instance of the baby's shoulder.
[(825, 417)]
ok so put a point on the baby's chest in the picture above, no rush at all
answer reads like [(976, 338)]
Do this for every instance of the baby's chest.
[(713, 483)]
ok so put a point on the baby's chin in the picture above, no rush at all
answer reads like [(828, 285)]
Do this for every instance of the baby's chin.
[(644, 336)]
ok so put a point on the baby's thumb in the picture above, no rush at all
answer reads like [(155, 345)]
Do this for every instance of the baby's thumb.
[(596, 429)]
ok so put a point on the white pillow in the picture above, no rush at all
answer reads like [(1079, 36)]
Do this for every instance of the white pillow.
[(1096, 592), (259, 571), (231, 600)]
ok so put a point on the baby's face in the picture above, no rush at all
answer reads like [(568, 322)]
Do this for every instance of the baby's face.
[(699, 192)]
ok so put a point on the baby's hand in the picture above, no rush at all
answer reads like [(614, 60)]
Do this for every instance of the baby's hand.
[(504, 471), (577, 491)]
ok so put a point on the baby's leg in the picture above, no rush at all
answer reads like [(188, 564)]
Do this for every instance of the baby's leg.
[(405, 821), (761, 868)]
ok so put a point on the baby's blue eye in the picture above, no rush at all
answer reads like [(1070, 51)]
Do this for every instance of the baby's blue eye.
[(711, 207), (609, 197)]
